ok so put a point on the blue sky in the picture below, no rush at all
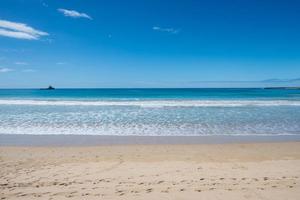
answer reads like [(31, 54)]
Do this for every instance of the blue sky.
[(150, 43)]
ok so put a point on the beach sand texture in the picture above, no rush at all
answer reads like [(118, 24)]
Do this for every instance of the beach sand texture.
[(216, 171)]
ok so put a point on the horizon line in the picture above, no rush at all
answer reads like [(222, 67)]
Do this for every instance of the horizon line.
[(62, 88)]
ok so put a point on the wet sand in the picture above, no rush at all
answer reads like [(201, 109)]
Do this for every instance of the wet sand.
[(177, 171), (95, 140)]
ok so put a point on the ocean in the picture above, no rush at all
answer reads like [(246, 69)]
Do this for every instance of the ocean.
[(150, 112)]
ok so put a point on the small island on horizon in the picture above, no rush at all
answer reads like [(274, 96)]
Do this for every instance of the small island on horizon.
[(48, 88)]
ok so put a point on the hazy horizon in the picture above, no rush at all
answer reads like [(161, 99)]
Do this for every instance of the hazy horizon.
[(205, 84)]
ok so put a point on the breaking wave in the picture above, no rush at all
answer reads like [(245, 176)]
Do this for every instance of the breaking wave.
[(155, 103)]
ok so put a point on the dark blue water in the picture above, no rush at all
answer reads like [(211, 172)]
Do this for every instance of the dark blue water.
[(204, 93)]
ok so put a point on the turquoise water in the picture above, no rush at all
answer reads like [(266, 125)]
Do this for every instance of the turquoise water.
[(150, 111), (116, 94)]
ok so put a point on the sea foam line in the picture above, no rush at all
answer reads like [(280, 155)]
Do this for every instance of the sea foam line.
[(155, 103)]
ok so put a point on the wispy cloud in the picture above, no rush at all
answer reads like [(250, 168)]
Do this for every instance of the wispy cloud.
[(169, 30), (74, 13), (21, 63), (44, 4), (11, 50), (61, 63), (276, 80), (3, 70), (28, 70), (19, 31)]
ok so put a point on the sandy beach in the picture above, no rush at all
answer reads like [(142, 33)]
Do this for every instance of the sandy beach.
[(198, 171)]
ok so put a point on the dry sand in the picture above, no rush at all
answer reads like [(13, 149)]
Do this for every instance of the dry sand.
[(216, 171)]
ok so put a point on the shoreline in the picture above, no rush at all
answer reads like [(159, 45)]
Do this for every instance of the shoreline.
[(94, 140)]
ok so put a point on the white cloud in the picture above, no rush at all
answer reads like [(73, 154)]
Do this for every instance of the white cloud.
[(19, 31), (169, 30), (3, 70), (18, 35), (20, 63), (73, 13)]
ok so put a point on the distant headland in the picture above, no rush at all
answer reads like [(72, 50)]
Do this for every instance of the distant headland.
[(282, 88)]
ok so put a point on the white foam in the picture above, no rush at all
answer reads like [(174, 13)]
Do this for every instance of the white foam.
[(155, 103)]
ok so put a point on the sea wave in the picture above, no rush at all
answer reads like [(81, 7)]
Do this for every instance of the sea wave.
[(154, 103)]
